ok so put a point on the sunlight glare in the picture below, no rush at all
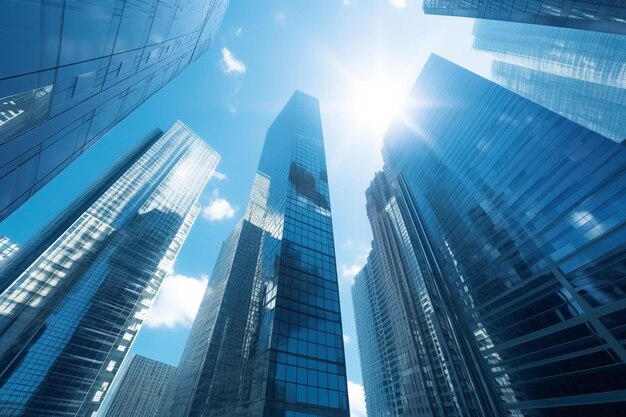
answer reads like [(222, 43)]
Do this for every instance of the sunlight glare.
[(376, 102)]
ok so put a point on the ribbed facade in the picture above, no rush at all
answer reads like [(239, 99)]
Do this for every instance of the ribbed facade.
[(138, 389), (412, 367), (74, 298), (71, 70)]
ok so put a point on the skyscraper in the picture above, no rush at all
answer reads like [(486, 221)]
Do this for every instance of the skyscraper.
[(71, 70), (73, 300), (410, 358), (517, 217), (602, 15), (268, 340), (138, 388), (210, 374), (579, 74)]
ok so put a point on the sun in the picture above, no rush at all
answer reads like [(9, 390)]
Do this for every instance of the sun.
[(376, 101)]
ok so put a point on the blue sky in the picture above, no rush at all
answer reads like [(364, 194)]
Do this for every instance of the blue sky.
[(359, 57)]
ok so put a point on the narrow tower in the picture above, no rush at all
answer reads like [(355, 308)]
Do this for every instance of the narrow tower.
[(73, 299), (267, 341)]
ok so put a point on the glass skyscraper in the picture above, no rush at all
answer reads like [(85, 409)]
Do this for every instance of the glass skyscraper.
[(599, 15), (210, 375), (73, 69), (138, 388), (579, 74), (410, 357), (73, 299), (268, 341), (517, 218)]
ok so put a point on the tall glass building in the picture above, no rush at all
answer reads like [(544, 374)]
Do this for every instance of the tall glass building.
[(518, 219), (268, 340), (210, 374), (410, 356), (600, 15), (73, 69), (138, 388), (579, 74), (73, 299)]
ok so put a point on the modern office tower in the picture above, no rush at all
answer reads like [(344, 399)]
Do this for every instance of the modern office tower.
[(7, 249), (519, 217), (209, 375), (138, 388), (268, 340), (602, 15), (579, 74), (410, 358), (73, 300), (71, 70)]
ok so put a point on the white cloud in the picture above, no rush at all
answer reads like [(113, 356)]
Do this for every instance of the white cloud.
[(347, 244), (218, 209), (219, 176), (231, 64), (400, 4), (349, 271), (238, 31), (280, 17), (346, 338), (177, 301), (357, 399)]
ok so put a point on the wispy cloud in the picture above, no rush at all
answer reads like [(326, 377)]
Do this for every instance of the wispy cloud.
[(357, 399), (218, 209), (347, 244), (238, 31), (349, 271), (346, 338), (177, 301), (400, 4), (230, 64), (219, 176), (279, 16), (360, 253)]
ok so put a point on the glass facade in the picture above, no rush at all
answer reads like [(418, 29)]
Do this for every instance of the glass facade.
[(73, 69), (7, 249), (287, 359), (410, 355), (210, 375), (74, 298), (579, 74), (517, 217), (138, 388), (597, 15)]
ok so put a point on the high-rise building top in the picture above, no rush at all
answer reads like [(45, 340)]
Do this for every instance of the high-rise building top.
[(516, 217), (72, 70), (600, 15), (138, 388), (268, 340), (578, 74), (73, 300)]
